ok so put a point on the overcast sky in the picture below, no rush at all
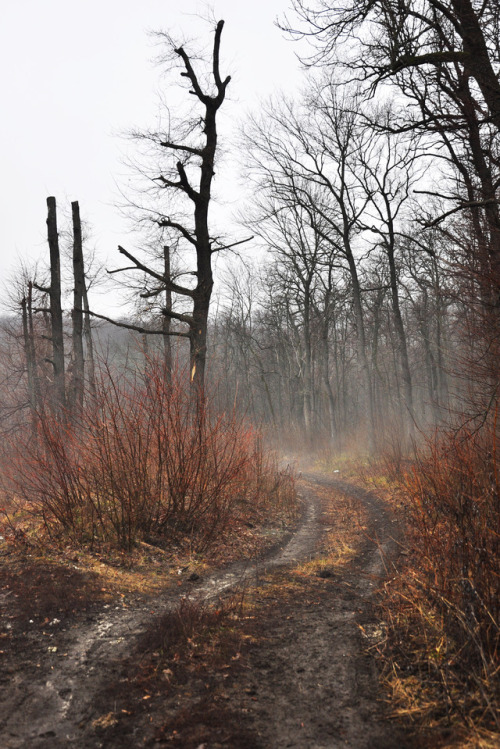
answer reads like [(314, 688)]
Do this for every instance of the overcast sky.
[(77, 74)]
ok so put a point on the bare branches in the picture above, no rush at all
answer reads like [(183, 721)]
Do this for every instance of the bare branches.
[(233, 244), (181, 147), (167, 223), (462, 207), (185, 185), (221, 85), (137, 328), (166, 282)]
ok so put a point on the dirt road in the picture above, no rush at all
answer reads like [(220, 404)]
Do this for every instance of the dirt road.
[(303, 679)]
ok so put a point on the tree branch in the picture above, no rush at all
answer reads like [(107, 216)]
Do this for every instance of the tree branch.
[(190, 191), (137, 328), (234, 244), (191, 75), (179, 147), (43, 289), (431, 58), (167, 283), (457, 208), (221, 85), (167, 223)]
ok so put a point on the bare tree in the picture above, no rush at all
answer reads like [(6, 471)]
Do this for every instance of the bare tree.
[(388, 172), (56, 315), (444, 56), (306, 154), (380, 39), (78, 364), (185, 185)]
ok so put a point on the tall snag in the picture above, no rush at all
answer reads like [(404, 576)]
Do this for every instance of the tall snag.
[(29, 349), (55, 305), (77, 384), (189, 175)]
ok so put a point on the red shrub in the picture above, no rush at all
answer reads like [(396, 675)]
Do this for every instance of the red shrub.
[(144, 460)]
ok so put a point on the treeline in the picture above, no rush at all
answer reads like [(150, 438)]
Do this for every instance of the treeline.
[(373, 314)]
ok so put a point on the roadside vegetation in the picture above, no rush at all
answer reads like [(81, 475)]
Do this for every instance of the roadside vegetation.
[(144, 489), (142, 462), (192, 667), (438, 643), (371, 327)]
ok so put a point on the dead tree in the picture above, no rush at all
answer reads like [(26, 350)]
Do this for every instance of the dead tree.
[(167, 320), (189, 176), (56, 316), (78, 364), (29, 349)]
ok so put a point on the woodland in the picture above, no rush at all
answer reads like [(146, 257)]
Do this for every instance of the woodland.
[(350, 322)]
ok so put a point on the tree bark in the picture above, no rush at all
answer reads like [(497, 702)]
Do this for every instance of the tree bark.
[(29, 350), (78, 363), (57, 333), (167, 341)]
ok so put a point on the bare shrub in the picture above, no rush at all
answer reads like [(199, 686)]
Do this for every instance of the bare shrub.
[(444, 607), (144, 460)]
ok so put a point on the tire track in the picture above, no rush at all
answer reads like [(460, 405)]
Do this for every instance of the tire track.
[(315, 686), (48, 711)]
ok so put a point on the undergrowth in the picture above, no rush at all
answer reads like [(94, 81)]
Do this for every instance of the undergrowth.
[(143, 462), (442, 609)]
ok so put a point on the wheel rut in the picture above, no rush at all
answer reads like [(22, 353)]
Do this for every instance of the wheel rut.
[(315, 686)]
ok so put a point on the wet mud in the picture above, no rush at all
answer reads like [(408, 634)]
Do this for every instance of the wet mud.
[(310, 683)]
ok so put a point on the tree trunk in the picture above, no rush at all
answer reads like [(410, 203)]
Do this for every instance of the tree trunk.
[(55, 306), (326, 377), (29, 350), (361, 344), (307, 376), (87, 331), (167, 320), (77, 384), (409, 417)]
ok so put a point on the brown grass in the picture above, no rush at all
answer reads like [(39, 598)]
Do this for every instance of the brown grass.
[(442, 611)]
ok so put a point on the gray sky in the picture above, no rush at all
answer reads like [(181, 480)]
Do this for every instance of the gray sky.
[(77, 74)]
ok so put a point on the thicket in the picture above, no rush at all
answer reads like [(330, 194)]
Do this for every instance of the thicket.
[(144, 460), (443, 606)]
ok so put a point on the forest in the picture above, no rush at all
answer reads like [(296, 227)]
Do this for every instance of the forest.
[(336, 344)]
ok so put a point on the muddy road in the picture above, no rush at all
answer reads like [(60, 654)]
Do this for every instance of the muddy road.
[(304, 680)]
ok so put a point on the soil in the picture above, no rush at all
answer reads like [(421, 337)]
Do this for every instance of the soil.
[(290, 667)]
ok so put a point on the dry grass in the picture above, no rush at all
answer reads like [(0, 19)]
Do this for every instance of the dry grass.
[(93, 511), (441, 649)]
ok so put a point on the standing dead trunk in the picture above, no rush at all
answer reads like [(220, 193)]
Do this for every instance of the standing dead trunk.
[(77, 384), (29, 350), (167, 320), (201, 198), (192, 229), (57, 336)]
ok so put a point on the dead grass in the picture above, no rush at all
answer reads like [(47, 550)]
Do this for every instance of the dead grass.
[(45, 579), (440, 646), (345, 521)]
